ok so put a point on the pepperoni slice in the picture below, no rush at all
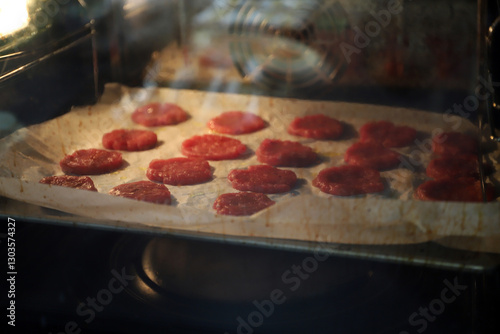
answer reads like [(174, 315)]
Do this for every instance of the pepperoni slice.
[(77, 182), (285, 153), (179, 171), (453, 143), (371, 155), (387, 134), (91, 162), (146, 191), (236, 123), (157, 114), (262, 179), (212, 147), (348, 181), (216, 59), (241, 204), (129, 140), (464, 189), (454, 166), (316, 126)]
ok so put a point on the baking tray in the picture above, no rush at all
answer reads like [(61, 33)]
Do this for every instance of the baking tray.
[(390, 218)]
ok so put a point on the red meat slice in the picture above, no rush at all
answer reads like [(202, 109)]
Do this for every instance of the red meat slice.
[(236, 122), (285, 153), (316, 126), (157, 114), (465, 189), (179, 171), (455, 166), (262, 179), (387, 134), (371, 155), (454, 143), (241, 204), (348, 181), (91, 162), (129, 140), (146, 191), (215, 58), (77, 182), (212, 147)]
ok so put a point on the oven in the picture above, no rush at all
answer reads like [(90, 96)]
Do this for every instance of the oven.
[(386, 262)]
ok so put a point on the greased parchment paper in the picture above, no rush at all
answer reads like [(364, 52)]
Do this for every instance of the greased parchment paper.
[(305, 213)]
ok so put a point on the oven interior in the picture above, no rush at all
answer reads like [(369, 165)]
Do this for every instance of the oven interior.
[(441, 57)]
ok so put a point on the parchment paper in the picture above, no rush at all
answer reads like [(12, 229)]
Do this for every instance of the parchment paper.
[(305, 213)]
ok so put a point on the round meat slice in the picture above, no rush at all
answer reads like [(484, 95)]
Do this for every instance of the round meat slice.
[(348, 181), (262, 179), (146, 191), (129, 140), (455, 166), (454, 143), (91, 162), (236, 123), (158, 114), (371, 155), (316, 126), (286, 153), (387, 134), (77, 182), (213, 147), (241, 204), (465, 189), (179, 171)]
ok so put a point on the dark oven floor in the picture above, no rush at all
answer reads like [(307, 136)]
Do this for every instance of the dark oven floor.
[(75, 280)]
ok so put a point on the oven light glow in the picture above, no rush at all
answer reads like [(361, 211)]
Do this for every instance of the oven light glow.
[(13, 16)]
